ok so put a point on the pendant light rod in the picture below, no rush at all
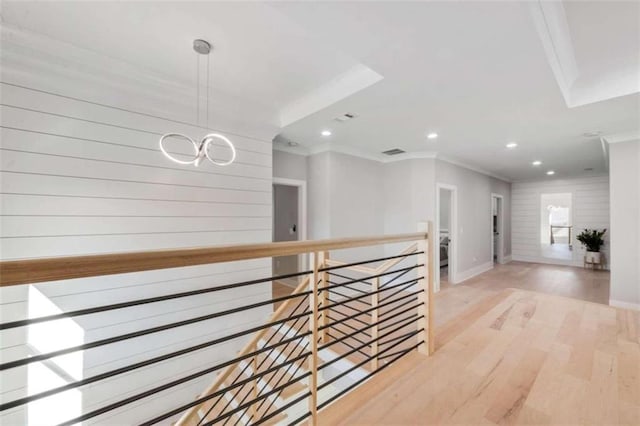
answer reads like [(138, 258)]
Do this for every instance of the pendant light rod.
[(200, 150)]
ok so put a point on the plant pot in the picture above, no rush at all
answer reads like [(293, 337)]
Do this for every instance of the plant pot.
[(592, 257)]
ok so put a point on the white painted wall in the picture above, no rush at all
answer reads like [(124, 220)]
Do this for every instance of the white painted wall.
[(590, 202), (475, 234), (319, 199), (356, 206), (624, 169), (289, 166), (80, 178), (350, 196), (344, 200)]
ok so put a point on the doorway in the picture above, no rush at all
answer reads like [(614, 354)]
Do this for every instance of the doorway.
[(289, 224), (556, 219), (446, 228), (497, 228)]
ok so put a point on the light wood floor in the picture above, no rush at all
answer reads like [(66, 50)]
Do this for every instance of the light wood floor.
[(453, 300), (517, 357), (577, 283)]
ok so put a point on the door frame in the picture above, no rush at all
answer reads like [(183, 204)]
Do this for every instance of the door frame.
[(453, 235), (500, 257), (302, 213)]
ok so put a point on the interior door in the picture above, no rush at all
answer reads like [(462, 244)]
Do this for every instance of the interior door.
[(285, 225)]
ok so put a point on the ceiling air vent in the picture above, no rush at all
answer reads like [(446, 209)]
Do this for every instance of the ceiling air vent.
[(345, 117), (394, 151)]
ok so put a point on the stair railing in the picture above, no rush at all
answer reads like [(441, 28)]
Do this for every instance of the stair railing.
[(343, 323)]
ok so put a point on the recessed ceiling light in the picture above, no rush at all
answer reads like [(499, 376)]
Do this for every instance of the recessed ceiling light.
[(292, 143), (592, 134), (432, 135), (511, 145), (537, 163), (551, 172), (326, 133)]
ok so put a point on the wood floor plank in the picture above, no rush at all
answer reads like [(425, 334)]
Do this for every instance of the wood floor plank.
[(521, 358), (509, 402)]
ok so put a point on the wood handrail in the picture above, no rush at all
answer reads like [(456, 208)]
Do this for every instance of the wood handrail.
[(28, 271)]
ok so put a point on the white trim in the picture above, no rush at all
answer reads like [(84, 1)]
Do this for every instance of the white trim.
[(280, 145), (552, 26), (410, 156), (543, 260), (623, 137), (576, 263), (302, 212), (355, 79), (298, 149), (562, 181), (476, 270), (344, 149), (453, 236), (624, 305), (500, 257), (507, 259), (605, 153), (464, 165)]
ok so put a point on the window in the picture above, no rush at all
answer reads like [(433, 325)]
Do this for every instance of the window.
[(556, 226)]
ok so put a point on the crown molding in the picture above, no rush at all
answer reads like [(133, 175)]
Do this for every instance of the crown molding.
[(297, 150), (563, 180), (342, 149), (633, 135), (551, 23), (352, 81), (468, 166), (411, 156)]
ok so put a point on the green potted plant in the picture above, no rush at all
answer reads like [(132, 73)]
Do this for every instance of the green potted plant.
[(592, 240)]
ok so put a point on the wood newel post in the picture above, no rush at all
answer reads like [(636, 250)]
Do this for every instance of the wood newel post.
[(316, 261), (425, 276), (324, 297), (374, 319)]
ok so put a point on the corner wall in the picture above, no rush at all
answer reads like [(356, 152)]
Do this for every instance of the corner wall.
[(352, 196), (625, 224), (475, 235)]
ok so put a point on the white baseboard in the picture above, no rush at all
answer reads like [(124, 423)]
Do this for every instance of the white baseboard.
[(470, 273), (506, 259), (549, 261), (624, 305)]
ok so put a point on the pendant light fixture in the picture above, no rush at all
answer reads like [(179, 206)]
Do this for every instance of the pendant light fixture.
[(204, 148)]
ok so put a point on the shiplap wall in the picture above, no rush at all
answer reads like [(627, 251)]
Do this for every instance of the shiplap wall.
[(79, 178), (590, 197)]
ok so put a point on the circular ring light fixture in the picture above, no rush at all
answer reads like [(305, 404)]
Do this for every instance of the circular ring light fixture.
[(201, 150), (207, 141), (196, 149)]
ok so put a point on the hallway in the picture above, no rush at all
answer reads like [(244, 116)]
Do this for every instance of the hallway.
[(567, 281)]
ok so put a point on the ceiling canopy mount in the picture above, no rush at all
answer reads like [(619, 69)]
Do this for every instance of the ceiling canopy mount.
[(202, 47)]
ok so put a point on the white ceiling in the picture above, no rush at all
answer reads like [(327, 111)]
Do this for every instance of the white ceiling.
[(258, 54), (481, 74), (476, 73)]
